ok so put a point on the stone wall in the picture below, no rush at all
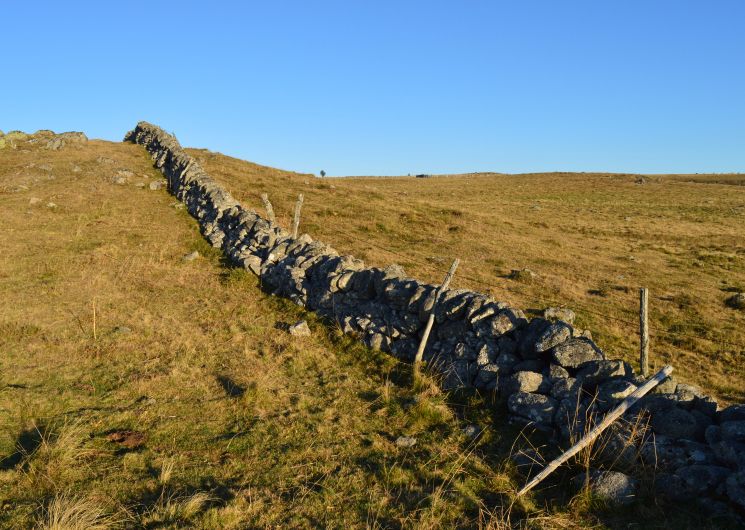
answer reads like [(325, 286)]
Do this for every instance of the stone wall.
[(550, 375)]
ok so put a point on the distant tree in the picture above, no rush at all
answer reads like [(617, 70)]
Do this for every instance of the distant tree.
[(323, 173)]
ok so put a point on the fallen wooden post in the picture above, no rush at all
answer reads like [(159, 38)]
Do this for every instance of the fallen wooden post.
[(268, 208), (607, 421), (431, 320), (296, 217)]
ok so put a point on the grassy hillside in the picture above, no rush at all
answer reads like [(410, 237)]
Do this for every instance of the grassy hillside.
[(591, 239), (139, 390)]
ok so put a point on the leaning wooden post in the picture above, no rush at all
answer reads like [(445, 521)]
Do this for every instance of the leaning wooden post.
[(268, 208), (431, 320), (644, 331), (296, 217), (607, 421)]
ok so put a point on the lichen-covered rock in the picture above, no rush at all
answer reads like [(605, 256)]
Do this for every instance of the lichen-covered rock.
[(534, 407), (525, 382), (575, 352), (594, 372), (610, 486), (553, 335), (565, 388)]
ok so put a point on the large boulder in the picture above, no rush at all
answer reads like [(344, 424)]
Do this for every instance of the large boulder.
[(575, 352)]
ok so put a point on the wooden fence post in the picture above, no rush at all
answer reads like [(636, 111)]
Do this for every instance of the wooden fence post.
[(644, 331), (431, 320), (607, 421), (268, 208), (296, 217)]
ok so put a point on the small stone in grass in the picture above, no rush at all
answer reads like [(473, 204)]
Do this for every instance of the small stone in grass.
[(34, 200), (300, 329), (191, 256), (405, 441), (156, 185)]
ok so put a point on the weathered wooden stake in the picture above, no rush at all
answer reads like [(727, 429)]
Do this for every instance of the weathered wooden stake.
[(296, 217), (607, 421), (431, 320), (644, 331), (95, 334), (268, 208)]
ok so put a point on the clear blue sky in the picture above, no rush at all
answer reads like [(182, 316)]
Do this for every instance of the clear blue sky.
[(400, 87)]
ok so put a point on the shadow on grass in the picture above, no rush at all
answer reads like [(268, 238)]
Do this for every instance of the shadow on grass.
[(231, 388), (26, 443)]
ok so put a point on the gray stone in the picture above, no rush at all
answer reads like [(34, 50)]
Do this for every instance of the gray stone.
[(487, 376), (559, 313), (610, 486), (557, 372), (729, 452), (666, 386), (405, 442), (732, 413), (575, 352), (595, 372), (191, 256), (553, 335), (565, 389), (610, 393), (699, 479), (503, 322), (660, 452), (300, 329), (736, 488), (675, 423), (472, 431), (156, 185), (733, 431), (535, 407), (525, 382), (506, 362)]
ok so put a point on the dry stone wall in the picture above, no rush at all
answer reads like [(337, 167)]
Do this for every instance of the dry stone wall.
[(550, 375)]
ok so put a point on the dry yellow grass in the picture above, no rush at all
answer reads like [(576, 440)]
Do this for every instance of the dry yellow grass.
[(187, 407)]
